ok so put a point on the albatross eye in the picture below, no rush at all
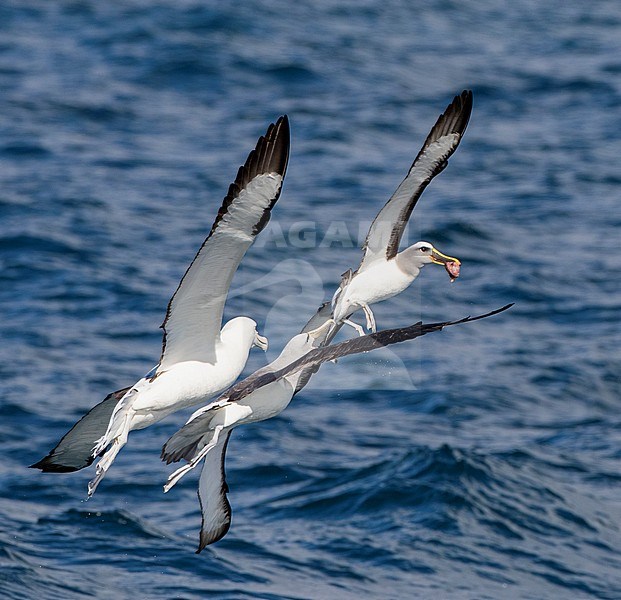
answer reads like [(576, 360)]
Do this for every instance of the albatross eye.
[(425, 249)]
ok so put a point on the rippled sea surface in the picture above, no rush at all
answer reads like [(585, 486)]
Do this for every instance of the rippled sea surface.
[(479, 462)]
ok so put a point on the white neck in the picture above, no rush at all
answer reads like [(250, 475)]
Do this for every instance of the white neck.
[(233, 353)]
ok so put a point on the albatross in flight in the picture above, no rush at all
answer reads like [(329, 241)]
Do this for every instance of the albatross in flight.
[(384, 271), (198, 359), (263, 395)]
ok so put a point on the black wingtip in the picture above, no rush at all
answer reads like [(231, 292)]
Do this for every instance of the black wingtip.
[(206, 539), (283, 143), (488, 314), (453, 120), (47, 466), (457, 113), (270, 154), (283, 125), (468, 319), (466, 98)]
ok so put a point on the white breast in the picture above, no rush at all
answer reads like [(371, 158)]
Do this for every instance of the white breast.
[(379, 282), (184, 384)]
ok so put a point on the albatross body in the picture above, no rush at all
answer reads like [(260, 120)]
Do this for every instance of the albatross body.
[(263, 395), (384, 271), (264, 402), (192, 381), (184, 384), (383, 280), (199, 359), (205, 436)]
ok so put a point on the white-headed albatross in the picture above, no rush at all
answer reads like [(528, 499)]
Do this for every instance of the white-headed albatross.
[(261, 396), (384, 271), (198, 359)]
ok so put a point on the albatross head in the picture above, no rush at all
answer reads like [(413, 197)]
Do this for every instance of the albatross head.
[(423, 253), (243, 330)]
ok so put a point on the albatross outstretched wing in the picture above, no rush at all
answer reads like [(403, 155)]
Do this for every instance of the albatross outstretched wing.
[(357, 345), (385, 234), (212, 491), (75, 449), (194, 315), (199, 440)]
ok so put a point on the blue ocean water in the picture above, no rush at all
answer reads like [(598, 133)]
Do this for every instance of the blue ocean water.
[(480, 462)]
